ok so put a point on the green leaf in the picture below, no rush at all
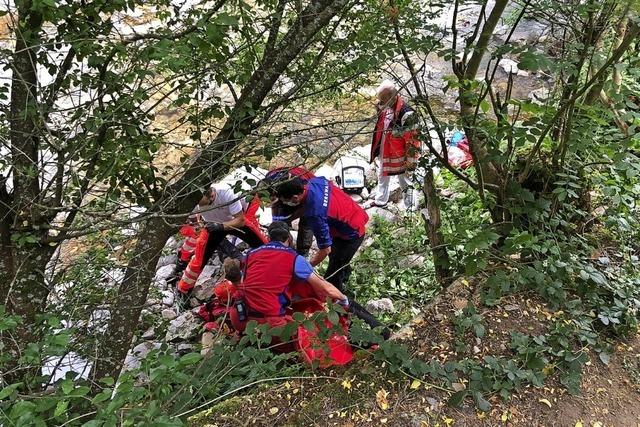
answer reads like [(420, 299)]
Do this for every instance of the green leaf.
[(482, 240), (61, 407), (107, 381), (333, 317), (533, 61), (8, 390), (190, 359), (605, 357), (456, 398), (481, 402), (102, 396), (80, 391), (478, 329), (226, 19), (66, 386), (309, 325)]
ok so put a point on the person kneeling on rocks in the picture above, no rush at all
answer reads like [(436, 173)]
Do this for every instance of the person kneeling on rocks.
[(270, 273), (223, 213)]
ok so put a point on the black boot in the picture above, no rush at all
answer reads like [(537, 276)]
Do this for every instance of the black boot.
[(172, 280), (362, 313)]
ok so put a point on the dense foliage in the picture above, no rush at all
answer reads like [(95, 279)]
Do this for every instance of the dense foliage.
[(115, 112)]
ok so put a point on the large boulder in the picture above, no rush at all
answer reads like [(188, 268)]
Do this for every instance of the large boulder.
[(203, 289), (209, 271), (167, 260), (511, 67), (183, 328), (173, 243)]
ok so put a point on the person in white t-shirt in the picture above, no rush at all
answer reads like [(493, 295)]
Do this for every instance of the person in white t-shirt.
[(223, 212)]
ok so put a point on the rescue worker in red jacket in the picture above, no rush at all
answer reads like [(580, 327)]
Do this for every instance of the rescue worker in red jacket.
[(395, 146), (338, 223), (223, 213), (271, 270), (282, 212)]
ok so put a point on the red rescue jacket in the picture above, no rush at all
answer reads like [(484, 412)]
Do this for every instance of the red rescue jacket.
[(269, 271), (398, 149)]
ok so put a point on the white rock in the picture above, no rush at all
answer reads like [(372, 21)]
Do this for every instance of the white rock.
[(149, 334), (209, 271), (382, 213), (325, 171), (203, 290), (184, 348), (173, 243), (169, 314), (154, 304), (412, 261), (433, 403), (139, 353), (183, 328), (168, 298), (160, 284), (163, 273), (207, 342), (539, 96), (381, 305), (167, 260), (509, 66)]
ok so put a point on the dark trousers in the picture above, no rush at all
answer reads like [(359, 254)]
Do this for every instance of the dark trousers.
[(339, 269), (338, 272), (282, 212), (246, 234)]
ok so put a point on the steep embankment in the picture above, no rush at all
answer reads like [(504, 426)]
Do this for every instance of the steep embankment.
[(365, 394)]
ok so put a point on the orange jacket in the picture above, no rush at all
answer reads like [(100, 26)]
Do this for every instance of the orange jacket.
[(398, 142)]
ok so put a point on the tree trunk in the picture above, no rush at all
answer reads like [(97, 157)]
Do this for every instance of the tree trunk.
[(132, 295), (488, 175), (432, 225), (207, 167), (432, 214), (24, 259), (26, 296)]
